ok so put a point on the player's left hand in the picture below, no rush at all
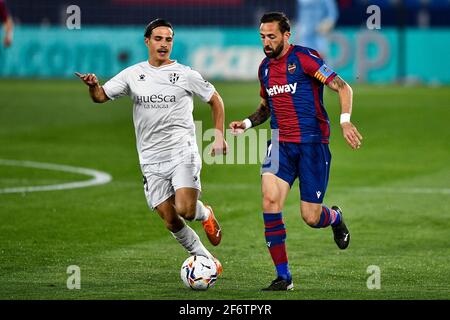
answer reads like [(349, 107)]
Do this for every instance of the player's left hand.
[(351, 135), (220, 146)]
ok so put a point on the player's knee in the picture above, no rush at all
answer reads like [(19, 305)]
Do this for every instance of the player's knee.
[(271, 203), (311, 217), (186, 210), (311, 220)]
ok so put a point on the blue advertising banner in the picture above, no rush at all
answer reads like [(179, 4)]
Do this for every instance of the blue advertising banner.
[(226, 54)]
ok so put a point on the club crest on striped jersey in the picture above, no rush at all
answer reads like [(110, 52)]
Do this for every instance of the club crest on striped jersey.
[(173, 77), (292, 67)]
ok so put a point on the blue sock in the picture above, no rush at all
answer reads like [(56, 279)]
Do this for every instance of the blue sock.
[(283, 271)]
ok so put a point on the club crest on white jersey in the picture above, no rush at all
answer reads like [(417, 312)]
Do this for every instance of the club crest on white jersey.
[(173, 77)]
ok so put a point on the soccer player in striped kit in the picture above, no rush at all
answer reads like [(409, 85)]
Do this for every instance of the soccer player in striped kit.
[(292, 79)]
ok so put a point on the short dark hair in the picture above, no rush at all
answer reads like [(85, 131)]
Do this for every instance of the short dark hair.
[(280, 17), (155, 24)]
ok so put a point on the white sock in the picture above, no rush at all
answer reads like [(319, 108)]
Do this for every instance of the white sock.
[(201, 212), (191, 242)]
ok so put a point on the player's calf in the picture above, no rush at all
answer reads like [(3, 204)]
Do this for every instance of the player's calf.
[(172, 220), (174, 225), (318, 216)]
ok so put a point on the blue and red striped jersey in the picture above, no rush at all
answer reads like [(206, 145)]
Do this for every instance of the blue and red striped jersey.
[(293, 89)]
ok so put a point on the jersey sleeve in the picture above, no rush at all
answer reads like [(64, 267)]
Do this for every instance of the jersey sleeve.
[(314, 66), (262, 89), (201, 87), (117, 86)]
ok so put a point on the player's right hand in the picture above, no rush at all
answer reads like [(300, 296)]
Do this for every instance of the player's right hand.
[(237, 127), (89, 79)]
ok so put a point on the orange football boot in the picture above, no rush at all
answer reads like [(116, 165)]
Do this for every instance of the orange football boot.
[(212, 228), (218, 266)]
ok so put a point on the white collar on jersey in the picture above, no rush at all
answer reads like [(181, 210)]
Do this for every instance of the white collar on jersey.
[(163, 66)]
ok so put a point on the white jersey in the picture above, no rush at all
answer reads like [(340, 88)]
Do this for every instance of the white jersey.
[(162, 107)]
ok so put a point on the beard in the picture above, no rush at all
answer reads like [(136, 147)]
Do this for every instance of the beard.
[(273, 53)]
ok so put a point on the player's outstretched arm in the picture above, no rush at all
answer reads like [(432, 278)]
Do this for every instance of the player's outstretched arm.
[(220, 146), (255, 119), (351, 134), (96, 91)]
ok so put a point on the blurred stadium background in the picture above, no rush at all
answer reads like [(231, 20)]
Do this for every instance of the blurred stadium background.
[(219, 38), (395, 190)]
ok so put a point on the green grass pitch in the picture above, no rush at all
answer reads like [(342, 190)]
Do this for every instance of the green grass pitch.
[(394, 191)]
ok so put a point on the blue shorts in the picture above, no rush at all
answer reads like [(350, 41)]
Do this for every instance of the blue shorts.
[(308, 161)]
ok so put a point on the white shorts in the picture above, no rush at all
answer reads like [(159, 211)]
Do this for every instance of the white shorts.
[(161, 180)]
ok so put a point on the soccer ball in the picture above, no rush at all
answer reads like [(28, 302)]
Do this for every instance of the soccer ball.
[(198, 272)]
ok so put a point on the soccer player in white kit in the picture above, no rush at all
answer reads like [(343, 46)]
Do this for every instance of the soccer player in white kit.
[(162, 92)]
